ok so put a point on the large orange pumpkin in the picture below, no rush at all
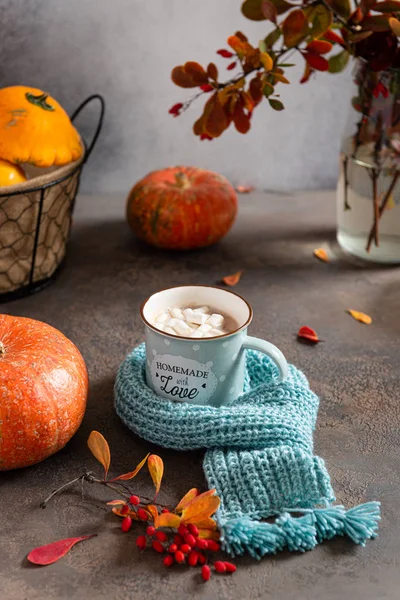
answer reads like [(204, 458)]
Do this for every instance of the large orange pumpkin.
[(181, 208), (43, 391)]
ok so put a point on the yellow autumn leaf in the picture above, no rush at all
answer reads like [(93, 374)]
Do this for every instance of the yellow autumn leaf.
[(167, 520), (280, 77), (100, 449), (207, 534), (207, 523), (132, 474), (131, 513), (391, 203), (188, 497), (156, 469), (200, 509), (205, 494), (321, 254), (266, 61), (360, 316), (395, 25), (116, 502), (152, 509)]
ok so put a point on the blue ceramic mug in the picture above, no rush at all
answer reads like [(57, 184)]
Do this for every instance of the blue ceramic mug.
[(205, 370)]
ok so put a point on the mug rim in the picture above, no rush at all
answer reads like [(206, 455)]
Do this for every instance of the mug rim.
[(190, 339)]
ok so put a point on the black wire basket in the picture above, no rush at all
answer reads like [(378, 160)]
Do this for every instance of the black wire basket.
[(35, 222)]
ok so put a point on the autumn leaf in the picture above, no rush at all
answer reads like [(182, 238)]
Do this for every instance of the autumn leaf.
[(275, 104), (360, 316), (266, 61), (153, 511), (207, 523), (308, 334), (244, 189), (133, 473), (316, 61), (188, 497), (395, 25), (294, 27), (167, 520), (51, 553), (100, 449), (200, 508), (115, 502), (132, 514), (321, 254), (156, 469), (319, 46), (233, 279), (207, 534)]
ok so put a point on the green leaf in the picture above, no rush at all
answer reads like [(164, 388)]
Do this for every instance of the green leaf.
[(286, 65), (275, 104), (271, 39), (268, 89), (338, 62), (253, 11), (320, 18), (341, 7)]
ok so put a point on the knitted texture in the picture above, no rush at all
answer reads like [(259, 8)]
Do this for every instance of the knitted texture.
[(259, 456)]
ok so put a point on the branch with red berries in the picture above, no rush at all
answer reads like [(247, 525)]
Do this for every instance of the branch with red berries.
[(184, 535), (311, 30)]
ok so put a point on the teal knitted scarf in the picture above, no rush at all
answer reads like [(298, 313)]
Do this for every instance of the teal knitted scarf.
[(259, 457)]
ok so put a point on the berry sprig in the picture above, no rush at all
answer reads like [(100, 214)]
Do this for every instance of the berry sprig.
[(184, 547), (186, 535)]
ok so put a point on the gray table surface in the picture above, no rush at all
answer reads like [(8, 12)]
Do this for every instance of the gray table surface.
[(356, 372)]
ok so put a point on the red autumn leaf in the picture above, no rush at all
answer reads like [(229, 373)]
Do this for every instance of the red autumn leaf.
[(308, 334), (225, 53), (255, 90), (232, 280), (175, 109), (215, 121), (196, 72), (205, 136), (231, 66), (295, 27), (268, 9), (206, 87), (331, 36), (240, 119), (181, 78), (357, 16), (319, 47), (244, 189), (316, 61), (51, 553), (308, 71)]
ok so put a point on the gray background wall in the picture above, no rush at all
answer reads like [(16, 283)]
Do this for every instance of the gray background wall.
[(125, 50)]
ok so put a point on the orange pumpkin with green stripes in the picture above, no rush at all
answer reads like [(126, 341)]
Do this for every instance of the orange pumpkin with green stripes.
[(181, 208)]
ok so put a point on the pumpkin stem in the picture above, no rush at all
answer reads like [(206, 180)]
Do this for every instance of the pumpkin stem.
[(2, 349), (39, 100), (182, 180)]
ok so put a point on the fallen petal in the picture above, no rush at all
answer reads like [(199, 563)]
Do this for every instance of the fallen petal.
[(360, 316), (321, 254), (232, 280), (306, 333)]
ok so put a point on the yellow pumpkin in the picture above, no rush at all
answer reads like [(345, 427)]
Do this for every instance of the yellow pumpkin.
[(10, 174), (35, 129)]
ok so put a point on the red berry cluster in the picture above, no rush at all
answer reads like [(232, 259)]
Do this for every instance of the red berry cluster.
[(127, 508), (186, 547)]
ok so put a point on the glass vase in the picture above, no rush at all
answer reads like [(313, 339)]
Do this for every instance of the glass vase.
[(368, 191)]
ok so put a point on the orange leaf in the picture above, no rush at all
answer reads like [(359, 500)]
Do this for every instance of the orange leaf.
[(244, 189), (181, 78), (188, 497), (306, 333), (360, 316), (205, 494), (208, 523), (133, 473), (115, 502), (131, 513), (51, 553), (207, 534), (167, 520), (156, 469), (152, 509), (100, 449), (200, 508), (294, 27), (307, 73), (279, 77), (232, 280), (319, 46), (321, 254), (333, 37)]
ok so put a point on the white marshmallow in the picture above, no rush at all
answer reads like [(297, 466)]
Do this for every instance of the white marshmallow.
[(192, 317), (202, 309), (164, 316), (176, 313), (180, 327), (197, 334), (170, 330), (204, 328), (215, 320), (215, 332)]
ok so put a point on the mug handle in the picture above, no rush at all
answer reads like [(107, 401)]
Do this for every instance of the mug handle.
[(253, 343)]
